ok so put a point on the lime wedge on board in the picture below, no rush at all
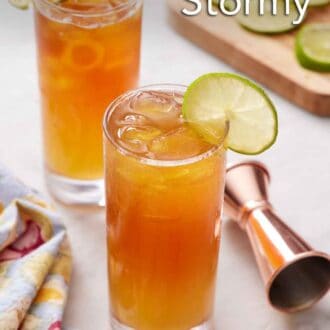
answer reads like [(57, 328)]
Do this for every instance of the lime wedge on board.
[(313, 3), (217, 99), (268, 23), (313, 47), (229, 4)]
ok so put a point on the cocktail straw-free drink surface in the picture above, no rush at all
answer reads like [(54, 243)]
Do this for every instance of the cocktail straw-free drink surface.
[(164, 198), (88, 54)]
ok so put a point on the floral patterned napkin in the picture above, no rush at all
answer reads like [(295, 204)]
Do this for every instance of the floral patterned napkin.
[(35, 259)]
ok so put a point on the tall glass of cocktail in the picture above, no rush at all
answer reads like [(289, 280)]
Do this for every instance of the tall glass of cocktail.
[(88, 54), (164, 192)]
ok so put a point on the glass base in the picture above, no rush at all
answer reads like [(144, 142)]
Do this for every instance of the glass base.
[(75, 192), (116, 325)]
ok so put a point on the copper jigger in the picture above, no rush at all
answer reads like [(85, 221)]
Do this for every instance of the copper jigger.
[(296, 276)]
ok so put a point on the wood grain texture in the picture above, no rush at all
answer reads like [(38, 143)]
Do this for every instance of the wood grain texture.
[(268, 59)]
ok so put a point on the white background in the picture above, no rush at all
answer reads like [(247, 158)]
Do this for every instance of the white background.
[(299, 164)]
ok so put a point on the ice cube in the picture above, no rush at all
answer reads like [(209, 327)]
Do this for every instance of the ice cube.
[(137, 139), (90, 6), (133, 119), (144, 134), (160, 108), (178, 99), (149, 102), (177, 144)]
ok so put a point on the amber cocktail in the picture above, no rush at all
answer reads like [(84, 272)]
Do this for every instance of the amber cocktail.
[(88, 54), (164, 198)]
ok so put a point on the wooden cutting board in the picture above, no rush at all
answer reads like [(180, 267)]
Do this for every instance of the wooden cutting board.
[(267, 59)]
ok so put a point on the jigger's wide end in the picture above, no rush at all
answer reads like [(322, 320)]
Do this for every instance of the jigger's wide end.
[(295, 275), (301, 283)]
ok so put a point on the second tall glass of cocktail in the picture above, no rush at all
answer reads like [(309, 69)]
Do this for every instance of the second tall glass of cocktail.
[(88, 54), (164, 193)]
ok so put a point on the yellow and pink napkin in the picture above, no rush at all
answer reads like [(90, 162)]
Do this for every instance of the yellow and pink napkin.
[(35, 259)]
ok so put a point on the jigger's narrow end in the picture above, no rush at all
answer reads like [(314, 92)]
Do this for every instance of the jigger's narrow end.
[(301, 283), (246, 183)]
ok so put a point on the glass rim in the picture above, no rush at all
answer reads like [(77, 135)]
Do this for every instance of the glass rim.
[(92, 13), (149, 161)]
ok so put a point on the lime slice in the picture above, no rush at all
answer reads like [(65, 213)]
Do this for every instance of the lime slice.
[(313, 47), (21, 4), (268, 23), (217, 99), (313, 3)]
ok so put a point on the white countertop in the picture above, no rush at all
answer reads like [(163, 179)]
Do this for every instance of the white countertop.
[(299, 163)]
